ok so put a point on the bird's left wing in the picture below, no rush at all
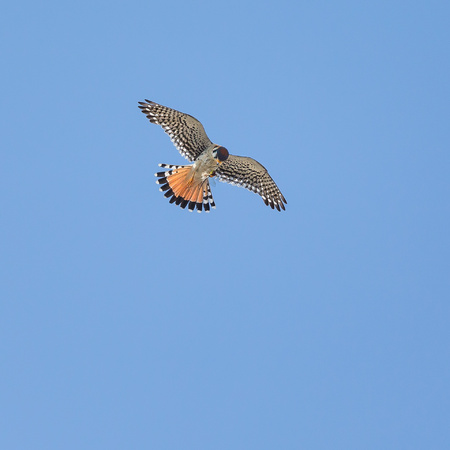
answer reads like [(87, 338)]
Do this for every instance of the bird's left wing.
[(250, 174), (185, 131)]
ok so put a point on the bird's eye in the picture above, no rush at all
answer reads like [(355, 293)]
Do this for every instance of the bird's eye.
[(222, 154)]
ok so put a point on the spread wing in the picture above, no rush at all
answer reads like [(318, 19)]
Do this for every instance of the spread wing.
[(250, 174), (185, 131)]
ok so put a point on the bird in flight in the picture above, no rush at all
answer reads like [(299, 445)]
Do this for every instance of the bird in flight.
[(189, 185)]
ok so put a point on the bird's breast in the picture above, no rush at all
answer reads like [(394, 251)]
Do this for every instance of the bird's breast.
[(205, 165)]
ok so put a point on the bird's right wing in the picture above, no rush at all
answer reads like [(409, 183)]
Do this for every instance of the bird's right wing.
[(250, 174), (185, 131)]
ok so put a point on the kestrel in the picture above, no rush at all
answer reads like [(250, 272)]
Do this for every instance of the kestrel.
[(189, 185)]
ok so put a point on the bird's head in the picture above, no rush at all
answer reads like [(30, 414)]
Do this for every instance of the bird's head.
[(220, 154)]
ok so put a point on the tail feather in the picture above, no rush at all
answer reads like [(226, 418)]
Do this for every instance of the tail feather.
[(209, 198), (164, 187), (171, 166), (199, 194), (183, 190), (169, 193), (179, 187)]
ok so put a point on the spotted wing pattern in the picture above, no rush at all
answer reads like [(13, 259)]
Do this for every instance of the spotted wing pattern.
[(185, 131), (250, 174)]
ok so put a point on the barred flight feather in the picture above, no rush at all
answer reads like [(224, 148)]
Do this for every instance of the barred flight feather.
[(250, 174), (185, 131)]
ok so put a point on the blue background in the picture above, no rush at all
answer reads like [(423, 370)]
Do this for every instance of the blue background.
[(128, 323)]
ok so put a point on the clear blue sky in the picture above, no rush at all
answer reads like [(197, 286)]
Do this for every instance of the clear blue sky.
[(128, 323)]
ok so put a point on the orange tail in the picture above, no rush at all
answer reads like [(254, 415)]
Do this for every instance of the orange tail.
[(180, 188)]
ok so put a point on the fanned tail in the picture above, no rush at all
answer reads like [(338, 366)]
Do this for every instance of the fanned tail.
[(179, 187)]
